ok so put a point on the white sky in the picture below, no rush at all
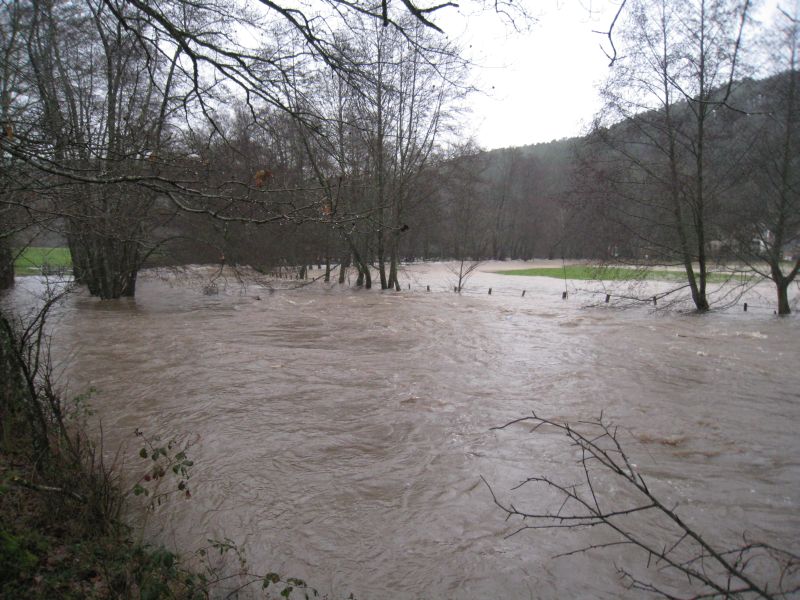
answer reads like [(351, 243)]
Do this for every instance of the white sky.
[(540, 83)]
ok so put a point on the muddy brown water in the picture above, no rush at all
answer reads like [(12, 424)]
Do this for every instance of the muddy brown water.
[(341, 435)]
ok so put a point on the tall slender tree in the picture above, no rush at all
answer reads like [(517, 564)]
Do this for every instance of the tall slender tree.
[(764, 221), (677, 66)]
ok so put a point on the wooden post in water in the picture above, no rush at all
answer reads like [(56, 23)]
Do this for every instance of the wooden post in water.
[(745, 307), (523, 293), (490, 291), (428, 287), (655, 301), (608, 298), (563, 295)]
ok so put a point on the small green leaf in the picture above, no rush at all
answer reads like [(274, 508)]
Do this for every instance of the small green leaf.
[(143, 452)]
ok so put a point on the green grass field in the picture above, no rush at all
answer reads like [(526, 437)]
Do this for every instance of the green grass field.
[(31, 259), (589, 272)]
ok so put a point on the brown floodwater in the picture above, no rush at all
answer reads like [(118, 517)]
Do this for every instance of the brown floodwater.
[(340, 435)]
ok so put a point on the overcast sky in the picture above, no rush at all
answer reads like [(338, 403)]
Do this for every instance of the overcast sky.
[(540, 83)]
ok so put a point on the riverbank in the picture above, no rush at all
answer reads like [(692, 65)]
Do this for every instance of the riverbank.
[(62, 534), (50, 548)]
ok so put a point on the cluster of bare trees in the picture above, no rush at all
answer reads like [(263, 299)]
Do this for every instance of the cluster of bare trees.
[(690, 161), (138, 132), (131, 128), (255, 133), (370, 147), (88, 102)]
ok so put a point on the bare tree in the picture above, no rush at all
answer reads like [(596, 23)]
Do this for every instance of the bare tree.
[(665, 172), (465, 211), (369, 136), (674, 547), (12, 105), (102, 94), (765, 220)]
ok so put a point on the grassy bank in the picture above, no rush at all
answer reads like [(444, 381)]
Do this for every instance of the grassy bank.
[(34, 259), (54, 543), (589, 272), (51, 548)]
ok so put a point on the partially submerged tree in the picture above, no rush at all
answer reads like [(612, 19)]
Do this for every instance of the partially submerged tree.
[(101, 94), (11, 104), (764, 225), (370, 135), (663, 167), (465, 212)]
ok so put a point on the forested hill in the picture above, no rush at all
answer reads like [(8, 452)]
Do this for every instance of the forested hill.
[(565, 197)]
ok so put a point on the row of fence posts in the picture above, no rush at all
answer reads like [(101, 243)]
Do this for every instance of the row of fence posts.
[(565, 295), (302, 273)]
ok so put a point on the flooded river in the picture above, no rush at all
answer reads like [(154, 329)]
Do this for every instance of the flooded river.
[(341, 434)]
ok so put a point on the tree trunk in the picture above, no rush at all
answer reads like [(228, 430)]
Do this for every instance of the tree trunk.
[(783, 298), (393, 260), (382, 260), (345, 262), (782, 283), (108, 266), (77, 259), (6, 266)]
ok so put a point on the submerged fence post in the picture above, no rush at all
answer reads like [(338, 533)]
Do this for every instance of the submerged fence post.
[(523, 293), (563, 295), (490, 291), (428, 287), (608, 298), (745, 307), (655, 301)]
